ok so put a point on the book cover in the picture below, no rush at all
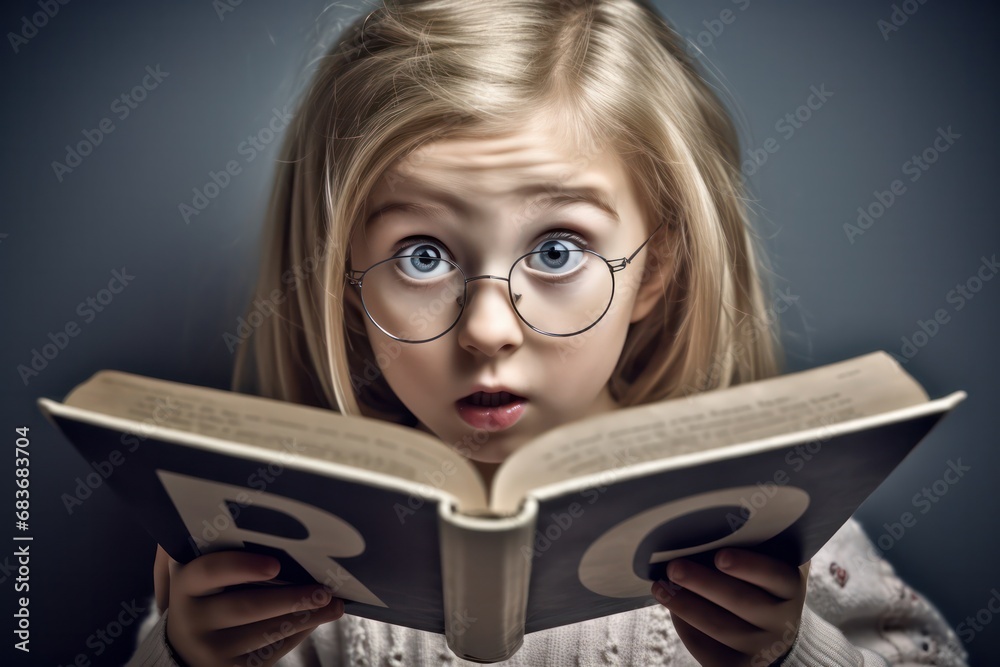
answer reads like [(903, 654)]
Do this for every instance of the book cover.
[(398, 530)]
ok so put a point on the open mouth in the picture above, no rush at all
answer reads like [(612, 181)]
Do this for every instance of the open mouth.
[(491, 411), (490, 400)]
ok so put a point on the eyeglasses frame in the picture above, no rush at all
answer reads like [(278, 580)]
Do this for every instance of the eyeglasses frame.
[(356, 278)]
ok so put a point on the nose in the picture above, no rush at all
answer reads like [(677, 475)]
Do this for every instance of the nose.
[(489, 325)]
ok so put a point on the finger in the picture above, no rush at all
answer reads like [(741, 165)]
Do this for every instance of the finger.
[(716, 622), (161, 579), (211, 573), (780, 579), (234, 608), (254, 636), (705, 650), (754, 605), (273, 652)]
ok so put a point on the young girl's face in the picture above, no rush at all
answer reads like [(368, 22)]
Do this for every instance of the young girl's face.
[(483, 204)]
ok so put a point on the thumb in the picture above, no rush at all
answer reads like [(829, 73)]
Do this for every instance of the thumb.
[(161, 578)]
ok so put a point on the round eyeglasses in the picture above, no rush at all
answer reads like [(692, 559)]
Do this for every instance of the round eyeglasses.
[(556, 291)]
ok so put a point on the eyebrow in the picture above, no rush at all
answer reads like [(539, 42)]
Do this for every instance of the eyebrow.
[(557, 197), (554, 196)]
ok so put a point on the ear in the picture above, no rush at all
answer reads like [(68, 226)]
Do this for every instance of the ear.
[(354, 310), (352, 298), (651, 291)]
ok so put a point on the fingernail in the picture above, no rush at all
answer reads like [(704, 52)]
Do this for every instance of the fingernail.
[(661, 590), (723, 560), (270, 567), (321, 596), (676, 571)]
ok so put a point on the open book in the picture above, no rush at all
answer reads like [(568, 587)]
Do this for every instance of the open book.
[(577, 524)]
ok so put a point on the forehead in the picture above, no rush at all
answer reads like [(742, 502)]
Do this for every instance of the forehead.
[(511, 169)]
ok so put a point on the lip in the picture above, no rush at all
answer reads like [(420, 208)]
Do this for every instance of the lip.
[(494, 389), (488, 418)]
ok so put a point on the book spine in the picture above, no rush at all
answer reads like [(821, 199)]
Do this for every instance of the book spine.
[(485, 570)]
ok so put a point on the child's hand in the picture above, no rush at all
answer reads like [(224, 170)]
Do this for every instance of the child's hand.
[(209, 627), (745, 612)]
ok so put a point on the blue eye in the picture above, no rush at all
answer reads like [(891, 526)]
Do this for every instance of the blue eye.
[(557, 255), (422, 261)]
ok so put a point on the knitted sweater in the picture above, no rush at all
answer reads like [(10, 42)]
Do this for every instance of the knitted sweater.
[(858, 613)]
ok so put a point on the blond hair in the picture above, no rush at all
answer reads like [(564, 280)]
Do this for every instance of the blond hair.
[(414, 71)]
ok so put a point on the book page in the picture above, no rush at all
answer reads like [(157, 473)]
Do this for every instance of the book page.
[(867, 385), (282, 427)]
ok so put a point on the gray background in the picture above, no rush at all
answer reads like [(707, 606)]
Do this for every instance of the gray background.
[(119, 208)]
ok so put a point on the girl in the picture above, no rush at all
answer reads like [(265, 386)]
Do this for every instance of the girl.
[(505, 152)]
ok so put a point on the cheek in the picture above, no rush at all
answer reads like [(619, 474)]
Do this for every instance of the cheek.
[(412, 371), (582, 365)]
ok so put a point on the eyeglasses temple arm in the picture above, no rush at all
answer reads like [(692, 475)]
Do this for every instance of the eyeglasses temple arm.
[(619, 264)]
